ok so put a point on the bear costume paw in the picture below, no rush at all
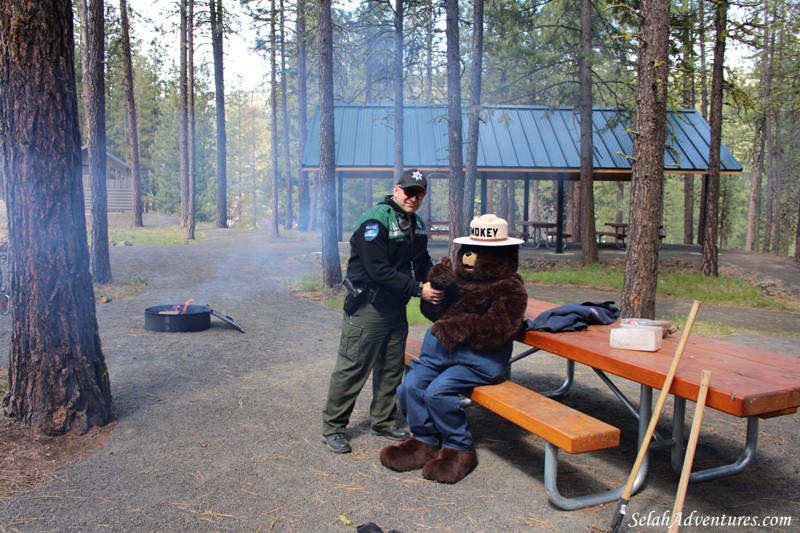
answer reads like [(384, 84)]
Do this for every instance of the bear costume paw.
[(410, 455), (442, 275), (450, 466)]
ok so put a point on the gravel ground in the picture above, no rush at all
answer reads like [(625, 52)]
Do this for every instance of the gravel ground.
[(220, 431)]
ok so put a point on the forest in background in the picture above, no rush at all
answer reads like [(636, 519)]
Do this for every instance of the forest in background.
[(530, 55)]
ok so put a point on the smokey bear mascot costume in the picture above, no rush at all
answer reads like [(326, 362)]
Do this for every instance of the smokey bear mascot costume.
[(469, 344)]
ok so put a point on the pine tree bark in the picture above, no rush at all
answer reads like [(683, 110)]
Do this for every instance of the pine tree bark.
[(217, 31), (290, 218), (711, 233), (130, 103), (191, 176), (647, 185), (397, 76), (474, 117), (183, 117), (589, 253), (688, 67), (768, 56), (756, 176), (331, 265), (303, 190), (274, 120), (454, 121), (95, 93), (58, 380)]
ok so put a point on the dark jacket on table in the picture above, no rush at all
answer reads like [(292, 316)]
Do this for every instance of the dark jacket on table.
[(574, 317)]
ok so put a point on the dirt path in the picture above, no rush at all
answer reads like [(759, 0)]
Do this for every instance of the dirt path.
[(219, 430)]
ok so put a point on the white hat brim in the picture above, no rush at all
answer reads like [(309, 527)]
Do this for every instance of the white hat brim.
[(508, 241)]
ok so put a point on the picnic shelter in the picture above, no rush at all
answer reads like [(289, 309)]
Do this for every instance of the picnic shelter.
[(515, 142)]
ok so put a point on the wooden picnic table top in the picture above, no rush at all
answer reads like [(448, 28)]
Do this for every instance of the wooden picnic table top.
[(537, 224), (747, 381), (617, 225)]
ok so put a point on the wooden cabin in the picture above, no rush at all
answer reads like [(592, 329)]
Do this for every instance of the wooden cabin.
[(119, 183)]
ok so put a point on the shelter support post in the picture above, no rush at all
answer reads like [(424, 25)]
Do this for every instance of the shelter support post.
[(340, 204), (560, 216), (484, 192)]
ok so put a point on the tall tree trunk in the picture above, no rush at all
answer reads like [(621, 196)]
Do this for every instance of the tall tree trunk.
[(710, 246), (190, 122), (285, 112), (303, 191), (398, 89), (130, 102), (768, 58), (474, 118), (58, 380), (454, 123), (331, 265), (778, 214), (588, 241), (274, 120), (756, 174), (701, 35), (689, 100), (504, 212), (95, 93), (217, 32), (429, 32), (573, 208), (619, 197), (647, 181), (183, 118)]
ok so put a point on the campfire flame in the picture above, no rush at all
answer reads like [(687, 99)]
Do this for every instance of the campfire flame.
[(179, 309)]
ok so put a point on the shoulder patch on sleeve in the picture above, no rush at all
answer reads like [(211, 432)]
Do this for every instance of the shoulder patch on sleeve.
[(370, 231)]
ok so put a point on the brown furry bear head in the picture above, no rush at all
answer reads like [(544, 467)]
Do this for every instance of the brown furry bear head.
[(481, 263)]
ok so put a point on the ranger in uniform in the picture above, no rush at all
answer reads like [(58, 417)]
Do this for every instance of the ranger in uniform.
[(388, 265)]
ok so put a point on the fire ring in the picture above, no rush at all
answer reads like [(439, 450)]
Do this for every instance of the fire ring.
[(175, 318)]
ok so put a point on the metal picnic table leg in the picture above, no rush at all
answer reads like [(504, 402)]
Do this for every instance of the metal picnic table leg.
[(537, 237), (587, 500), (747, 456)]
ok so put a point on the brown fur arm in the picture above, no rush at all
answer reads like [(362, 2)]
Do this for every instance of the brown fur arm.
[(504, 303), (441, 277)]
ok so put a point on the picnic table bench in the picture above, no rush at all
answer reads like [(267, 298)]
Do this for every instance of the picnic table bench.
[(535, 237), (748, 383), (560, 426), (619, 231), (438, 227)]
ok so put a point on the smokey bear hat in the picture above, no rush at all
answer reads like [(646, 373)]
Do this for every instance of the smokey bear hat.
[(488, 230)]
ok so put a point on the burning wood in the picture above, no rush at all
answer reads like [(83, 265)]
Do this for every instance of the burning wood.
[(178, 309)]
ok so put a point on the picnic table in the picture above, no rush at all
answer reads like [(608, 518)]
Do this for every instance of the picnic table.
[(536, 236), (619, 231), (438, 227), (748, 383)]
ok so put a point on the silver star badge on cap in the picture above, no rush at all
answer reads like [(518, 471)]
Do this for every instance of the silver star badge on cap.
[(417, 175)]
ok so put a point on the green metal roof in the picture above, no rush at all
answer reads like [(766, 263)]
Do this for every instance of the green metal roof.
[(513, 139)]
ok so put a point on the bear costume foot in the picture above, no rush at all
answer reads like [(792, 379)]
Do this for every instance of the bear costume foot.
[(410, 455), (451, 466)]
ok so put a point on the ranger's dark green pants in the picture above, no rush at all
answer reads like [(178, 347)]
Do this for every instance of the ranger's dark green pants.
[(372, 341)]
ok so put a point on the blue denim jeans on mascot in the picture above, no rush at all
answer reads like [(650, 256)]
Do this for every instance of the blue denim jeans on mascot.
[(429, 394)]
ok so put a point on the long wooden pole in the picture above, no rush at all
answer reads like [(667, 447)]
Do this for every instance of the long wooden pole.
[(622, 504), (691, 446)]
